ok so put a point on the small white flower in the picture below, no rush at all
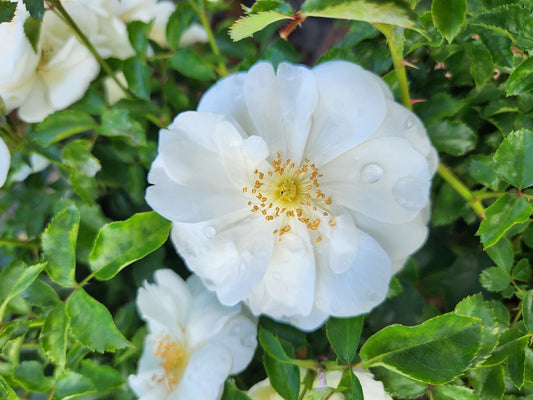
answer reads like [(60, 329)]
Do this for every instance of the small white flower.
[(372, 389), (5, 159), (193, 343), (300, 191)]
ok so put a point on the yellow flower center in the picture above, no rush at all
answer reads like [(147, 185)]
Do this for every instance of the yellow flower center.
[(174, 360), (292, 193)]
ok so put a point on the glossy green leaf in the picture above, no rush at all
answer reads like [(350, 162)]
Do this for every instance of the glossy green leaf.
[(103, 377), (453, 392), (59, 246), (482, 67), (73, 384), (502, 254), (521, 79), (505, 212), (272, 345), (7, 11), (35, 7), (350, 386), (390, 12), (137, 74), (522, 270), (190, 64), (138, 33), (284, 377), (118, 123), (481, 170), (92, 324), (452, 137), (344, 334), (41, 294), (32, 30), (488, 382), (448, 16), (53, 336), (436, 351), (513, 161), (118, 244), (527, 310), (231, 392), (398, 385), (10, 331), (30, 375), (248, 25), (61, 125), (495, 279)]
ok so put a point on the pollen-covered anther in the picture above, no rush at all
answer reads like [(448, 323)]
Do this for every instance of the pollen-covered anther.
[(174, 360)]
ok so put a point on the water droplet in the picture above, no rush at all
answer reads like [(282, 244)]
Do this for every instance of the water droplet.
[(372, 173), (276, 275), (210, 232), (249, 341), (412, 194), (235, 330), (409, 122)]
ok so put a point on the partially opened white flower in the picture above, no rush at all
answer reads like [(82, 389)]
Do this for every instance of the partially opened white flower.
[(300, 191), (5, 160), (193, 343), (372, 389)]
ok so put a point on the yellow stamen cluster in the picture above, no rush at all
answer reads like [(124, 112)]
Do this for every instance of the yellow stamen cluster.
[(289, 192), (174, 360)]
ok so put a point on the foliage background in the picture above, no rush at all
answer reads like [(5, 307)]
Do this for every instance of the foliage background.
[(463, 66)]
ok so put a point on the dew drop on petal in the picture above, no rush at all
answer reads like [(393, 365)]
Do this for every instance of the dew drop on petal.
[(409, 122), (372, 173), (410, 193), (210, 232)]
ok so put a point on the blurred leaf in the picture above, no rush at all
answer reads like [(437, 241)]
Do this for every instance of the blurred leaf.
[(522, 270), (350, 386), (30, 375), (521, 79), (10, 331), (248, 25), (137, 73), (495, 279), (502, 254), (59, 246), (71, 384), (118, 123), (53, 336), (92, 324), (452, 137), (83, 167), (448, 206), (452, 392), (284, 377), (6, 392), (138, 33), (527, 310), (482, 67), (505, 212), (7, 11), (437, 107), (118, 244), (103, 377), (32, 30), (488, 382), (178, 22), (190, 64), (392, 12), (231, 392), (499, 47), (344, 334), (448, 16), (35, 8), (513, 161), (61, 125), (436, 351)]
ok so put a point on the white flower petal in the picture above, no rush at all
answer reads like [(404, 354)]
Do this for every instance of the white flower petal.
[(363, 286), (310, 322), (384, 178), (37, 105), (5, 159), (350, 108), (193, 34)]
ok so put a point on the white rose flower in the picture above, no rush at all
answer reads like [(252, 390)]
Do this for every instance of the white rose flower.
[(300, 191), (194, 342), (372, 389), (5, 159)]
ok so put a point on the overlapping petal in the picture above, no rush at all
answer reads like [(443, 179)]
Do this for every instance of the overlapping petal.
[(5, 159)]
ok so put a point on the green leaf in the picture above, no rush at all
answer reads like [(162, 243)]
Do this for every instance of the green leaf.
[(231, 392), (436, 351), (448, 206), (10, 331), (344, 334), (522, 270), (92, 324), (270, 5), (73, 384), (59, 246), (448, 16), (272, 345), (7, 11), (137, 73), (392, 12), (482, 67), (32, 30), (350, 386), (190, 64), (247, 26), (178, 22), (399, 385), (53, 336), (481, 170), (527, 310), (84, 166), (452, 137), (284, 377), (35, 8), (521, 79), (29, 274), (41, 294), (505, 212), (30, 375), (502, 254), (452, 392), (103, 377), (6, 392), (495, 279), (61, 125), (118, 244), (488, 382), (138, 33), (513, 161), (118, 123)]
